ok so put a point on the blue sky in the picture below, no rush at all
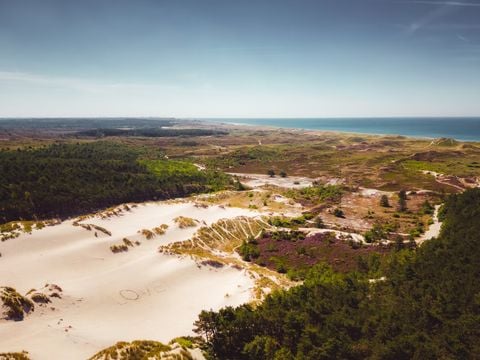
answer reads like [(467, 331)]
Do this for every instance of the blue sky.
[(231, 58)]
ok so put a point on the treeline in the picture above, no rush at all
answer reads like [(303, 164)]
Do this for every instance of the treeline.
[(423, 304), (83, 123), (149, 132), (64, 180)]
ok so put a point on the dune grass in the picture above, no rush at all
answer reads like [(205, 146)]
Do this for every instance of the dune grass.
[(143, 350), (14, 356), (15, 305), (184, 222)]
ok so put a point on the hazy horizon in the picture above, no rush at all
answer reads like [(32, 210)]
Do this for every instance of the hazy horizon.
[(249, 59)]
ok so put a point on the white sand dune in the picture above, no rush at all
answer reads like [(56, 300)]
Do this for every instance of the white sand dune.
[(139, 294)]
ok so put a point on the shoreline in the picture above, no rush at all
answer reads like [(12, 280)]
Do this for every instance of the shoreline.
[(226, 122)]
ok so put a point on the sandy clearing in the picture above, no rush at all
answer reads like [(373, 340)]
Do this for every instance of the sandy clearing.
[(259, 180), (139, 294), (374, 192), (440, 178), (355, 237)]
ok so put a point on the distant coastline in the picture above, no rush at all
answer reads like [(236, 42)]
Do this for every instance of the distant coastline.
[(458, 128)]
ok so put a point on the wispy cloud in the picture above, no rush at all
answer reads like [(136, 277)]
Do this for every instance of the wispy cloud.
[(442, 3), (441, 9), (449, 26), (427, 19)]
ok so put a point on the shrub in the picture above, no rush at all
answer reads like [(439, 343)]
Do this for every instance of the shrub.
[(248, 251), (319, 222), (377, 233), (427, 208), (402, 201), (384, 201), (338, 213)]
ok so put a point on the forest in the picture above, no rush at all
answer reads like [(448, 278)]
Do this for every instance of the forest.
[(62, 180), (82, 123), (148, 132), (419, 303)]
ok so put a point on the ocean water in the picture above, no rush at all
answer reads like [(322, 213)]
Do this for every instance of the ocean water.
[(459, 128)]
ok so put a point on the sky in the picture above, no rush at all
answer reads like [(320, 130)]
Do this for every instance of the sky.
[(239, 58)]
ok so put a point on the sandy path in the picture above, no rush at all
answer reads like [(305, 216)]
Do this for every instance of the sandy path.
[(139, 294), (438, 178), (433, 229)]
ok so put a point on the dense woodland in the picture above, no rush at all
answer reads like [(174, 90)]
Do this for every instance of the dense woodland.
[(82, 123), (148, 132), (64, 180), (416, 304)]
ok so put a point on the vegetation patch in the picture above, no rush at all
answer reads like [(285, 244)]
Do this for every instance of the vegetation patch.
[(217, 244), (292, 222), (143, 350), (14, 229), (160, 230), (15, 356), (294, 253), (185, 222), (313, 195), (212, 263), (150, 234), (124, 246), (118, 248), (147, 233), (14, 306), (224, 235)]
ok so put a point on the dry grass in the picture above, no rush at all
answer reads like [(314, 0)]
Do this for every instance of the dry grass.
[(185, 222), (40, 298), (224, 235), (14, 229), (160, 230), (150, 234), (216, 244), (118, 248), (15, 356), (147, 233), (265, 199), (124, 246), (91, 227), (15, 306)]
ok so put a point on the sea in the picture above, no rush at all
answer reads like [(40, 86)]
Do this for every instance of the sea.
[(459, 128)]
